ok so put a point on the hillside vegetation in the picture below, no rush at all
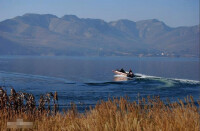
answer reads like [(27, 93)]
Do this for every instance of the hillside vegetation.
[(35, 34)]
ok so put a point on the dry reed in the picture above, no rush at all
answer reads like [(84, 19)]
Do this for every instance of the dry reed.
[(149, 114)]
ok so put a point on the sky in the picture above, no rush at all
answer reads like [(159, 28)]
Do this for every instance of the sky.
[(173, 12)]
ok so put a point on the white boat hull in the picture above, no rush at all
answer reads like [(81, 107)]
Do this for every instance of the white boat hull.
[(120, 73)]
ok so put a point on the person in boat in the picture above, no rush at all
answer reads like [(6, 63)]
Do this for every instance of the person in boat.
[(122, 70), (130, 74)]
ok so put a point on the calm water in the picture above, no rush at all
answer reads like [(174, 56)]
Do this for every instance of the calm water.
[(85, 80)]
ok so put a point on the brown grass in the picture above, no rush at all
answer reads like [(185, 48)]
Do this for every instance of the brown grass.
[(149, 114)]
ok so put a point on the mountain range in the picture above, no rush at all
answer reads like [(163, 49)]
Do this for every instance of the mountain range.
[(46, 34)]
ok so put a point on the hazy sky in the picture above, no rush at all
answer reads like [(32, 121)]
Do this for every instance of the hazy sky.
[(172, 12)]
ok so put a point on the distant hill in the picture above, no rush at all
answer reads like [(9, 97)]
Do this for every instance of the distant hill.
[(35, 34)]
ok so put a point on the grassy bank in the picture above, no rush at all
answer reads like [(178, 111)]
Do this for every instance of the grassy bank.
[(116, 114)]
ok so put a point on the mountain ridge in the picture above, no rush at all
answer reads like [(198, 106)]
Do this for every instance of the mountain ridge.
[(47, 34)]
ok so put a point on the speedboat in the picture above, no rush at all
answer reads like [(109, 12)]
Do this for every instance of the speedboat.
[(126, 74), (120, 73)]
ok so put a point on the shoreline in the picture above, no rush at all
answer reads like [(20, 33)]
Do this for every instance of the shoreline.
[(93, 56)]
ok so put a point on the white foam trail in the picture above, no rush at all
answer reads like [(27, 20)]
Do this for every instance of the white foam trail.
[(146, 76), (186, 81), (174, 79)]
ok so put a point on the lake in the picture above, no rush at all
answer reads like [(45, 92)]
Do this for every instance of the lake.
[(86, 80)]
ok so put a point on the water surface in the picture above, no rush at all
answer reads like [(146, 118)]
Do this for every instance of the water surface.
[(85, 80)]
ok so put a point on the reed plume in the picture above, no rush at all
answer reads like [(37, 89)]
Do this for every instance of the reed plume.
[(117, 114)]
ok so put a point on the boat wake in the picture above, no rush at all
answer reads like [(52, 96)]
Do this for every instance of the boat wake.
[(9, 77), (141, 80), (187, 81), (147, 81), (90, 91)]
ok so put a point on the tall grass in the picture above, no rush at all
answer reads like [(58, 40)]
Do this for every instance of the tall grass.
[(150, 114)]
